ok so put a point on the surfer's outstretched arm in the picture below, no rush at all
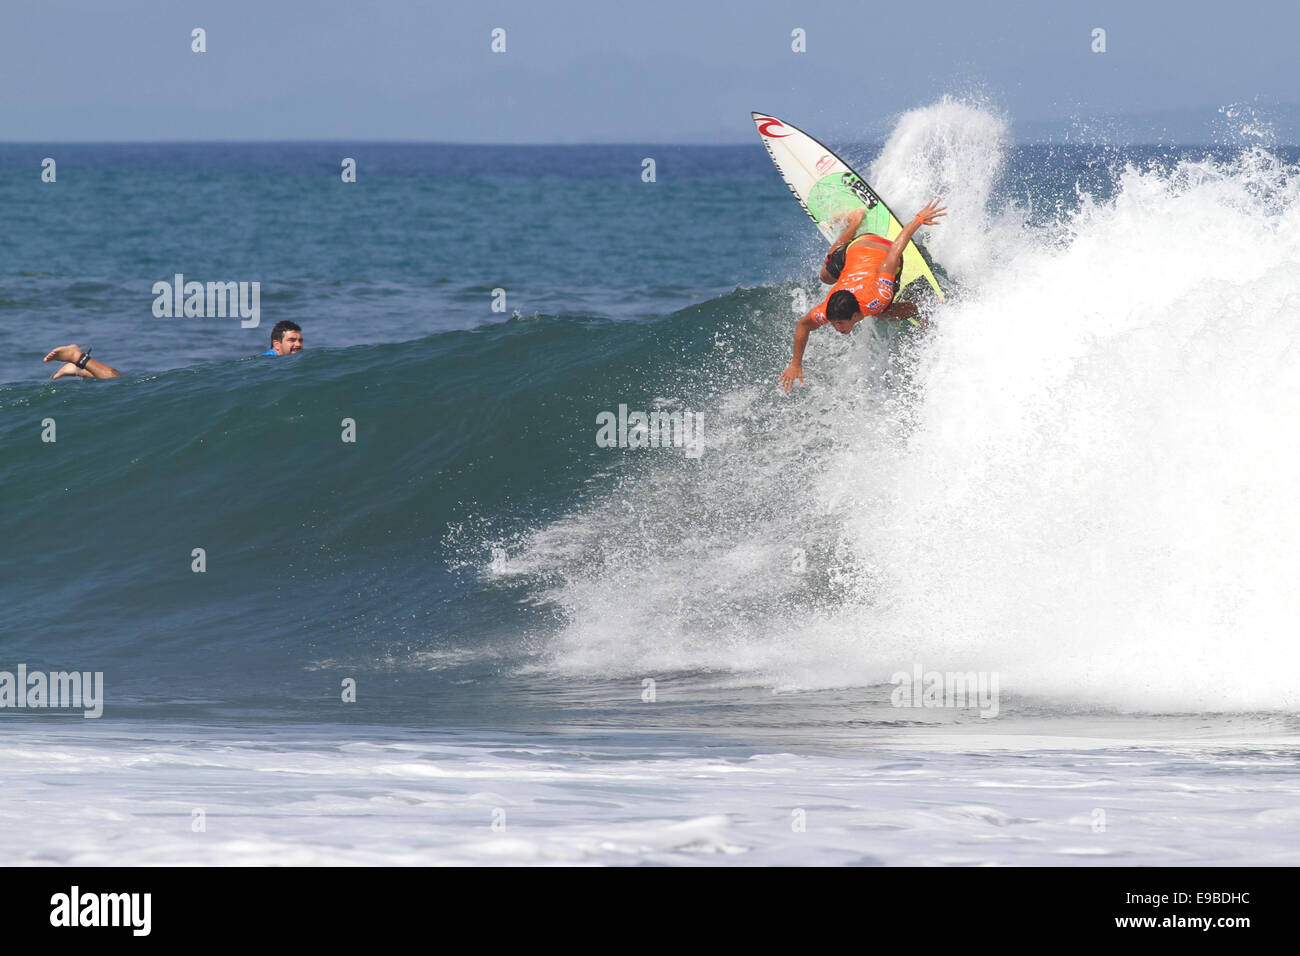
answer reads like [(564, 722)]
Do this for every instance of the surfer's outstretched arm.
[(73, 355), (928, 216), (795, 369)]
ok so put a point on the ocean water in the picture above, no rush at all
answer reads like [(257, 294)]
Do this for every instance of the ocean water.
[(1077, 487)]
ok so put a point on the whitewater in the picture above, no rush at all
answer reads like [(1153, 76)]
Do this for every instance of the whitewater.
[(1083, 479)]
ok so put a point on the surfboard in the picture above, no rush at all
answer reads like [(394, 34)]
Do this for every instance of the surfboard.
[(827, 187)]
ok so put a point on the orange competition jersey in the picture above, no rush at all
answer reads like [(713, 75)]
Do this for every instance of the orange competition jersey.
[(860, 276)]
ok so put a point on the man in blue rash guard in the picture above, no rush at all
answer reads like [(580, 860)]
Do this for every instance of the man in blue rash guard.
[(286, 338)]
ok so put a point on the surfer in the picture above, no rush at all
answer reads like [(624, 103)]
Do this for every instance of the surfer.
[(865, 276), (77, 361), (286, 338)]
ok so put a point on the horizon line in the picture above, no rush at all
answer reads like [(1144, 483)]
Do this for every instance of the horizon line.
[(571, 144)]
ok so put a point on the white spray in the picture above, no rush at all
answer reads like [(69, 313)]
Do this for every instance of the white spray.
[(1088, 484)]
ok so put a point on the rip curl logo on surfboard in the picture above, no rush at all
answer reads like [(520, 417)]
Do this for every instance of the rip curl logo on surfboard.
[(765, 125)]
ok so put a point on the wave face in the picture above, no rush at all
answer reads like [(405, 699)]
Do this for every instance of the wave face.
[(319, 551), (1081, 478)]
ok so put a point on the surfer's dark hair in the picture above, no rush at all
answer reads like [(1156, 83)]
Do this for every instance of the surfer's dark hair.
[(842, 305), (284, 325), (835, 262)]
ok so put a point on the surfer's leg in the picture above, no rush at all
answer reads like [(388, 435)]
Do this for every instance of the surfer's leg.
[(898, 311), (70, 368)]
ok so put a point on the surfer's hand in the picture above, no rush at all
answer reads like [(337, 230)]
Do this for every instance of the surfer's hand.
[(68, 353), (791, 373), (932, 213)]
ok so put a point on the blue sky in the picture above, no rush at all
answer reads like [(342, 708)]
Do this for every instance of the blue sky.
[(578, 71)]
